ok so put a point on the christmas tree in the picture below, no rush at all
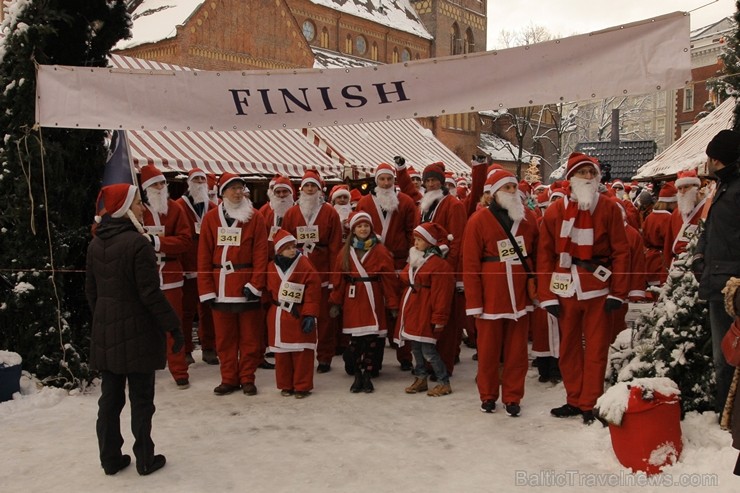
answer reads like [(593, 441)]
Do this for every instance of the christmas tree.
[(673, 340), (49, 179), (532, 173)]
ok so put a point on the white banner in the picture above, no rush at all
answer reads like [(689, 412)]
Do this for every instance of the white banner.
[(637, 58)]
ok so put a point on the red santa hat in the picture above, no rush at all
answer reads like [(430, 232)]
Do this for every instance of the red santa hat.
[(312, 176), (462, 192), (282, 182), (212, 181), (150, 175), (228, 178), (688, 177), (115, 200), (499, 179), (563, 190), (281, 238), (434, 170), (462, 182), (668, 193), (628, 188), (525, 187), (339, 190), (195, 172), (434, 234), (492, 169), (618, 184), (538, 186), (413, 173), (385, 169), (578, 160), (450, 179), (356, 218), (543, 199), (355, 195)]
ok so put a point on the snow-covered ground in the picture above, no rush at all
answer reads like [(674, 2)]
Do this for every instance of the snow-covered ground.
[(338, 441)]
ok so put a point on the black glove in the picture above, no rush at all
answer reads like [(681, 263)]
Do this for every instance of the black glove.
[(553, 310), (697, 267), (150, 237), (249, 295), (394, 312), (179, 340), (308, 324), (612, 304), (334, 311), (400, 162)]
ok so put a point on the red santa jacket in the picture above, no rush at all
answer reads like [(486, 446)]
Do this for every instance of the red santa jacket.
[(226, 268), (450, 214), (195, 220), (426, 301), (396, 228), (638, 275), (172, 237), (610, 247), (327, 244), (680, 231), (284, 332), (654, 230), (496, 286), (365, 291)]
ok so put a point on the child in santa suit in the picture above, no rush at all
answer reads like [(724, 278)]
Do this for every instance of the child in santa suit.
[(294, 294), (365, 285), (425, 306)]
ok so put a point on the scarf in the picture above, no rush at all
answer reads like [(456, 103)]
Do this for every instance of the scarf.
[(364, 245), (576, 232)]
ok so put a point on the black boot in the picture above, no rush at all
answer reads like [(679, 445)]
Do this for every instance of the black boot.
[(357, 384), (367, 384)]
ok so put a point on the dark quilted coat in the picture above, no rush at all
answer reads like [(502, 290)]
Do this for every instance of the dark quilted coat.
[(130, 312)]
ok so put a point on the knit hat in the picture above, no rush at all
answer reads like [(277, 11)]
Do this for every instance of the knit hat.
[(413, 173), (435, 235), (668, 193), (282, 238), (499, 179), (115, 200), (150, 175), (196, 172), (312, 176), (578, 160), (339, 190), (434, 170), (355, 195), (356, 218), (688, 177), (227, 178), (385, 169), (724, 147)]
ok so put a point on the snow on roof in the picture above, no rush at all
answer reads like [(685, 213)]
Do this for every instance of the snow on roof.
[(155, 20), (398, 14), (501, 149), (324, 58)]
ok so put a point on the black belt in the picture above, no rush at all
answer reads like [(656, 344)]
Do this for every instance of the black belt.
[(235, 266), (490, 259), (354, 280), (167, 259), (416, 286), (593, 264)]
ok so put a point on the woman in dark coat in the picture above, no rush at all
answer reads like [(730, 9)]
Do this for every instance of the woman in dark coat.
[(130, 317)]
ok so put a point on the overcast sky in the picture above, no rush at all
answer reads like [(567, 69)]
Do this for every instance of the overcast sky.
[(569, 17)]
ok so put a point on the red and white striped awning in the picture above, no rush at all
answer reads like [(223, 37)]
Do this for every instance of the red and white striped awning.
[(349, 151)]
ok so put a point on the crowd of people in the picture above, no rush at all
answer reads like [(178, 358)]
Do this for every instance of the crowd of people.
[(424, 262)]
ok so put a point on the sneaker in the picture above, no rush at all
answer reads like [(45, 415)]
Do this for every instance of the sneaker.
[(356, 386), (440, 390), (157, 463), (122, 463), (249, 388), (407, 366), (323, 368), (189, 359), (225, 389), (488, 406), (367, 383), (209, 357), (182, 383), (566, 411), (512, 410), (266, 365), (286, 392), (302, 394), (475, 356), (419, 385)]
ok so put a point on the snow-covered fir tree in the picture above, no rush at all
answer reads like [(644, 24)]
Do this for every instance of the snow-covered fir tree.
[(49, 179), (532, 173), (672, 340)]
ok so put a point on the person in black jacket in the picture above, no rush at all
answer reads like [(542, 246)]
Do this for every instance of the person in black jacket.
[(130, 318), (717, 255)]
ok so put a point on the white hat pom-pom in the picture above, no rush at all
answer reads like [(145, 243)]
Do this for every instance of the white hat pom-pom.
[(98, 219), (450, 237)]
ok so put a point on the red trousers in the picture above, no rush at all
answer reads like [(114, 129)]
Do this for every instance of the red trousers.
[(545, 336), (190, 306), (585, 335), (617, 321), (294, 370), (326, 345), (239, 344), (175, 362), (448, 344), (507, 338)]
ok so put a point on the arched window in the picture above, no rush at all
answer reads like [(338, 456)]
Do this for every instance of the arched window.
[(469, 41), (396, 57), (374, 51), (456, 44), (324, 38), (348, 44)]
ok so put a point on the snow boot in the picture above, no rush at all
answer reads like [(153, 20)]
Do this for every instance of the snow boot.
[(356, 386), (419, 385)]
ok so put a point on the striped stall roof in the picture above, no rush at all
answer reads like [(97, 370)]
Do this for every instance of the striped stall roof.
[(350, 151)]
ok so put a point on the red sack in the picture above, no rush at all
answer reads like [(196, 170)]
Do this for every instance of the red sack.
[(731, 344)]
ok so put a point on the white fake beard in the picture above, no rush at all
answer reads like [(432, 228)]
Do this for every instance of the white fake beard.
[(584, 192), (343, 210), (309, 204), (386, 198), (512, 204), (416, 258), (687, 200), (198, 191), (241, 211), (158, 199), (453, 191), (619, 194), (281, 205), (430, 198)]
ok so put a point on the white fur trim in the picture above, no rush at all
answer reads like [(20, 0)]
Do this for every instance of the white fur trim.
[(339, 193), (197, 173), (311, 180), (422, 231), (226, 183), (286, 239), (357, 217), (668, 199), (503, 181), (681, 182), (151, 181), (126, 203)]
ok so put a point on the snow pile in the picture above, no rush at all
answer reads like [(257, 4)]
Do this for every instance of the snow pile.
[(614, 402), (9, 358), (665, 453)]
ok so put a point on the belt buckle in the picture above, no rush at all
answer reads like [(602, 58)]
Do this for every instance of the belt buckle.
[(160, 257), (309, 247), (227, 267)]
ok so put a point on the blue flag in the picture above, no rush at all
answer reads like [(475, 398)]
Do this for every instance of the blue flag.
[(118, 166)]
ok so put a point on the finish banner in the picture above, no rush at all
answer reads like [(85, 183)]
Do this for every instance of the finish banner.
[(637, 58)]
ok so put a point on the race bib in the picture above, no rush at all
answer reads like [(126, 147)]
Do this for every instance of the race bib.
[(229, 236), (291, 292), (561, 283), (155, 230), (307, 234), (688, 231), (273, 230), (506, 250)]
